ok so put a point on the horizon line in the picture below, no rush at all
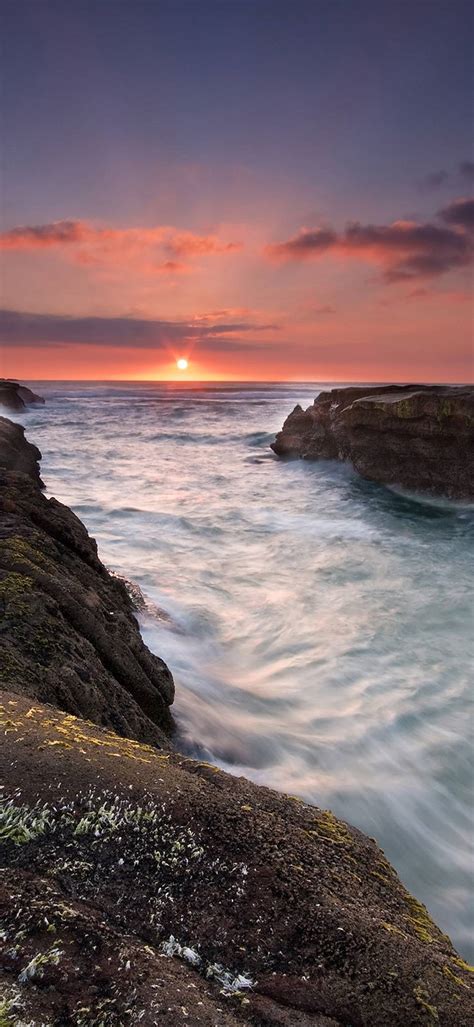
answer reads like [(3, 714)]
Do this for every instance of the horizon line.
[(253, 381)]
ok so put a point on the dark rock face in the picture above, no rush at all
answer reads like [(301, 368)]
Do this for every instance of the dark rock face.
[(67, 627), (419, 437), (14, 396), (16, 454), (159, 890)]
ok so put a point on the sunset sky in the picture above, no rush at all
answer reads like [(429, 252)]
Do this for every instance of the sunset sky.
[(272, 190)]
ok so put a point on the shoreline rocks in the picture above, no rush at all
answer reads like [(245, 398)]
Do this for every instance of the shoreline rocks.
[(416, 436), (145, 887)]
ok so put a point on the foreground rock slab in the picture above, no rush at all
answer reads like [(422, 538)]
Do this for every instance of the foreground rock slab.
[(68, 632), (419, 437), (146, 888)]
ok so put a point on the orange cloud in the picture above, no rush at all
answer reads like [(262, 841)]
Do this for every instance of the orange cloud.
[(187, 244), (151, 249), (171, 267), (454, 296)]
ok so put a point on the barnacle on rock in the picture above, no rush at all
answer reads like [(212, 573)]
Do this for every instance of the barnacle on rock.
[(35, 967)]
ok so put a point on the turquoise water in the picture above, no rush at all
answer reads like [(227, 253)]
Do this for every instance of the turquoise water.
[(319, 627)]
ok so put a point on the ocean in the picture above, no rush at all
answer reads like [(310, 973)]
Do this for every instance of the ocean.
[(318, 627)]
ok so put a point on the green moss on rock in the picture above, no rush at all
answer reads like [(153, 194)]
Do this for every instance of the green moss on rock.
[(332, 829), (19, 549), (420, 920), (422, 999), (14, 590), (463, 965)]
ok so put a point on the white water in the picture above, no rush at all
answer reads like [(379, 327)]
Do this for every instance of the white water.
[(321, 626)]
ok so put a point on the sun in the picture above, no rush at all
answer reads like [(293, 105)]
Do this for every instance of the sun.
[(182, 364)]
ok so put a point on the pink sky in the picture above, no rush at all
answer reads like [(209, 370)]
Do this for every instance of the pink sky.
[(273, 192), (363, 302)]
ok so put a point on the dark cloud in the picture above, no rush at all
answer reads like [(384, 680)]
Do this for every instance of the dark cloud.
[(403, 249), (466, 170), (22, 329), (459, 213), (421, 266), (433, 181), (408, 249), (436, 179), (305, 244), (58, 233)]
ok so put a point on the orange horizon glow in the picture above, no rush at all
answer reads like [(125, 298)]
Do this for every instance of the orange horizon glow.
[(412, 380), (32, 371), (201, 374)]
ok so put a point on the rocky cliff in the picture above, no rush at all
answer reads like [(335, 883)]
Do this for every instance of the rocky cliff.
[(145, 888), (68, 631), (419, 437)]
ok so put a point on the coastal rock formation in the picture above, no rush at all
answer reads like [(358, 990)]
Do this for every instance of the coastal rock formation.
[(16, 454), (68, 631), (14, 396), (420, 437), (146, 888)]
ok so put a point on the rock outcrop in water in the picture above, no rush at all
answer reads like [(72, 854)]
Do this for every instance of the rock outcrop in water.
[(143, 887), (14, 396), (419, 437)]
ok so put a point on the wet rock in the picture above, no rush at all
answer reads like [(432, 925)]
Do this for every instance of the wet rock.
[(16, 454), (416, 436)]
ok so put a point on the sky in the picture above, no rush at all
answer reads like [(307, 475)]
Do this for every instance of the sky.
[(270, 190)]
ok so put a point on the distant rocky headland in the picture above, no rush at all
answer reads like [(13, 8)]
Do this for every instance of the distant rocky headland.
[(417, 436), (14, 396), (146, 888)]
